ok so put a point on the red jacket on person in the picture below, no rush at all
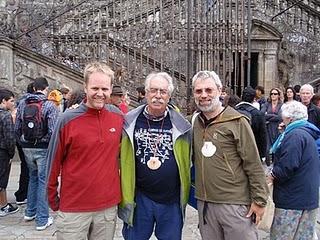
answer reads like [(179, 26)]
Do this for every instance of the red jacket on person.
[(84, 150)]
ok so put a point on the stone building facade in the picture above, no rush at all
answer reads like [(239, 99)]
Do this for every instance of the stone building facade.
[(181, 37)]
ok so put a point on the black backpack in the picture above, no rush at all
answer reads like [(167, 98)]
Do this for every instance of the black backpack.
[(34, 126)]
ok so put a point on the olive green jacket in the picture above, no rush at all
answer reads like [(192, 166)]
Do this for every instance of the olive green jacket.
[(234, 174)]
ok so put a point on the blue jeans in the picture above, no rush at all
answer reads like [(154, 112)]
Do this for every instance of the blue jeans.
[(165, 219), (37, 201)]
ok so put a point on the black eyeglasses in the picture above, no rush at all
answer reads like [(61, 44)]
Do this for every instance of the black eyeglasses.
[(273, 93)]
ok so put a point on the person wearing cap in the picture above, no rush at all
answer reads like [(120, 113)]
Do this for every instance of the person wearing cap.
[(257, 119), (117, 98), (231, 189)]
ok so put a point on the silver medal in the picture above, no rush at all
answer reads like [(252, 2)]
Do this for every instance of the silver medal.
[(208, 149), (154, 163)]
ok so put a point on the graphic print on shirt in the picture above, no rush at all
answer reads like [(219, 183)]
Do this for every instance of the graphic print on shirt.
[(153, 143)]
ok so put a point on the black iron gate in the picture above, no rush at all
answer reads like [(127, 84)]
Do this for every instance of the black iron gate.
[(137, 37)]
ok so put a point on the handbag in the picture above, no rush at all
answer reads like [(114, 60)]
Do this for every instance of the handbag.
[(267, 218)]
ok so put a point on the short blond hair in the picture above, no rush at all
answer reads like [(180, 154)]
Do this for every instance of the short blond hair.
[(96, 66)]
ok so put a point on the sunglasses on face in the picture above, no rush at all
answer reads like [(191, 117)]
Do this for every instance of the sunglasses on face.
[(274, 93), (206, 90)]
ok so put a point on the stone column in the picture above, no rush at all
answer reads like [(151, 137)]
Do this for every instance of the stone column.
[(261, 80), (270, 69), (6, 63)]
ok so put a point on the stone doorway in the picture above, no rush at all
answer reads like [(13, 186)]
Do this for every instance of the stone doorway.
[(265, 42)]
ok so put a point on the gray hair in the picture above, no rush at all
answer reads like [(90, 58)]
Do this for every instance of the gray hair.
[(162, 75), (307, 87), (202, 75), (294, 110)]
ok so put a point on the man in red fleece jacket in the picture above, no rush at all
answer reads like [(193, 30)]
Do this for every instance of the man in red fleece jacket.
[(84, 150)]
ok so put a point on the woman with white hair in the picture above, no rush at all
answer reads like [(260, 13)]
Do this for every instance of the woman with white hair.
[(295, 176)]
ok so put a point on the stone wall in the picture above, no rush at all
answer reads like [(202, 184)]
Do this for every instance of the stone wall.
[(299, 52), (19, 66)]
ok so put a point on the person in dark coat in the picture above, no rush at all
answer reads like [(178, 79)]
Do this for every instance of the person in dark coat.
[(257, 119), (295, 176), (272, 111), (306, 94), (260, 95)]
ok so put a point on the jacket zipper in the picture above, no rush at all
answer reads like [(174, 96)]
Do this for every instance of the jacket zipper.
[(228, 165), (181, 187), (130, 220), (202, 163), (100, 127)]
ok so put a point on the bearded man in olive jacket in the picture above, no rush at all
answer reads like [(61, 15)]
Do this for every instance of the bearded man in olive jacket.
[(230, 183)]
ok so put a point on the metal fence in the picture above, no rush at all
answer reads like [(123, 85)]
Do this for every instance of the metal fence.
[(137, 37)]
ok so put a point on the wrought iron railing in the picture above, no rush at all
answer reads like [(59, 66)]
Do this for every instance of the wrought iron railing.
[(140, 36)]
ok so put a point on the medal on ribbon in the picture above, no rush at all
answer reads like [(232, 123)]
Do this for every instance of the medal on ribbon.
[(154, 163)]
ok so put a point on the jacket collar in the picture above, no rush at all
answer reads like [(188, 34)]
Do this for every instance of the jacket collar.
[(244, 103), (229, 114), (84, 108), (177, 120)]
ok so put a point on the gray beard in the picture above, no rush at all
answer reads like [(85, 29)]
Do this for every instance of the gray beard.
[(215, 103)]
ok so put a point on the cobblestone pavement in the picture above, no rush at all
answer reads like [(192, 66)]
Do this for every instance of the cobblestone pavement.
[(14, 227)]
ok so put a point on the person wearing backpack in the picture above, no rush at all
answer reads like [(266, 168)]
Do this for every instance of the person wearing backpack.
[(7, 149), (35, 121), (257, 119)]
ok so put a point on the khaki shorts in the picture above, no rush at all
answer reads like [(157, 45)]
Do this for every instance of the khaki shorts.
[(87, 225)]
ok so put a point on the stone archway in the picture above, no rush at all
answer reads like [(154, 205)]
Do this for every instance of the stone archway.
[(265, 42)]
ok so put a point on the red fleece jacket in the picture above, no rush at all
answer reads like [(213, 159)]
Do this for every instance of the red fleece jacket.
[(84, 150)]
